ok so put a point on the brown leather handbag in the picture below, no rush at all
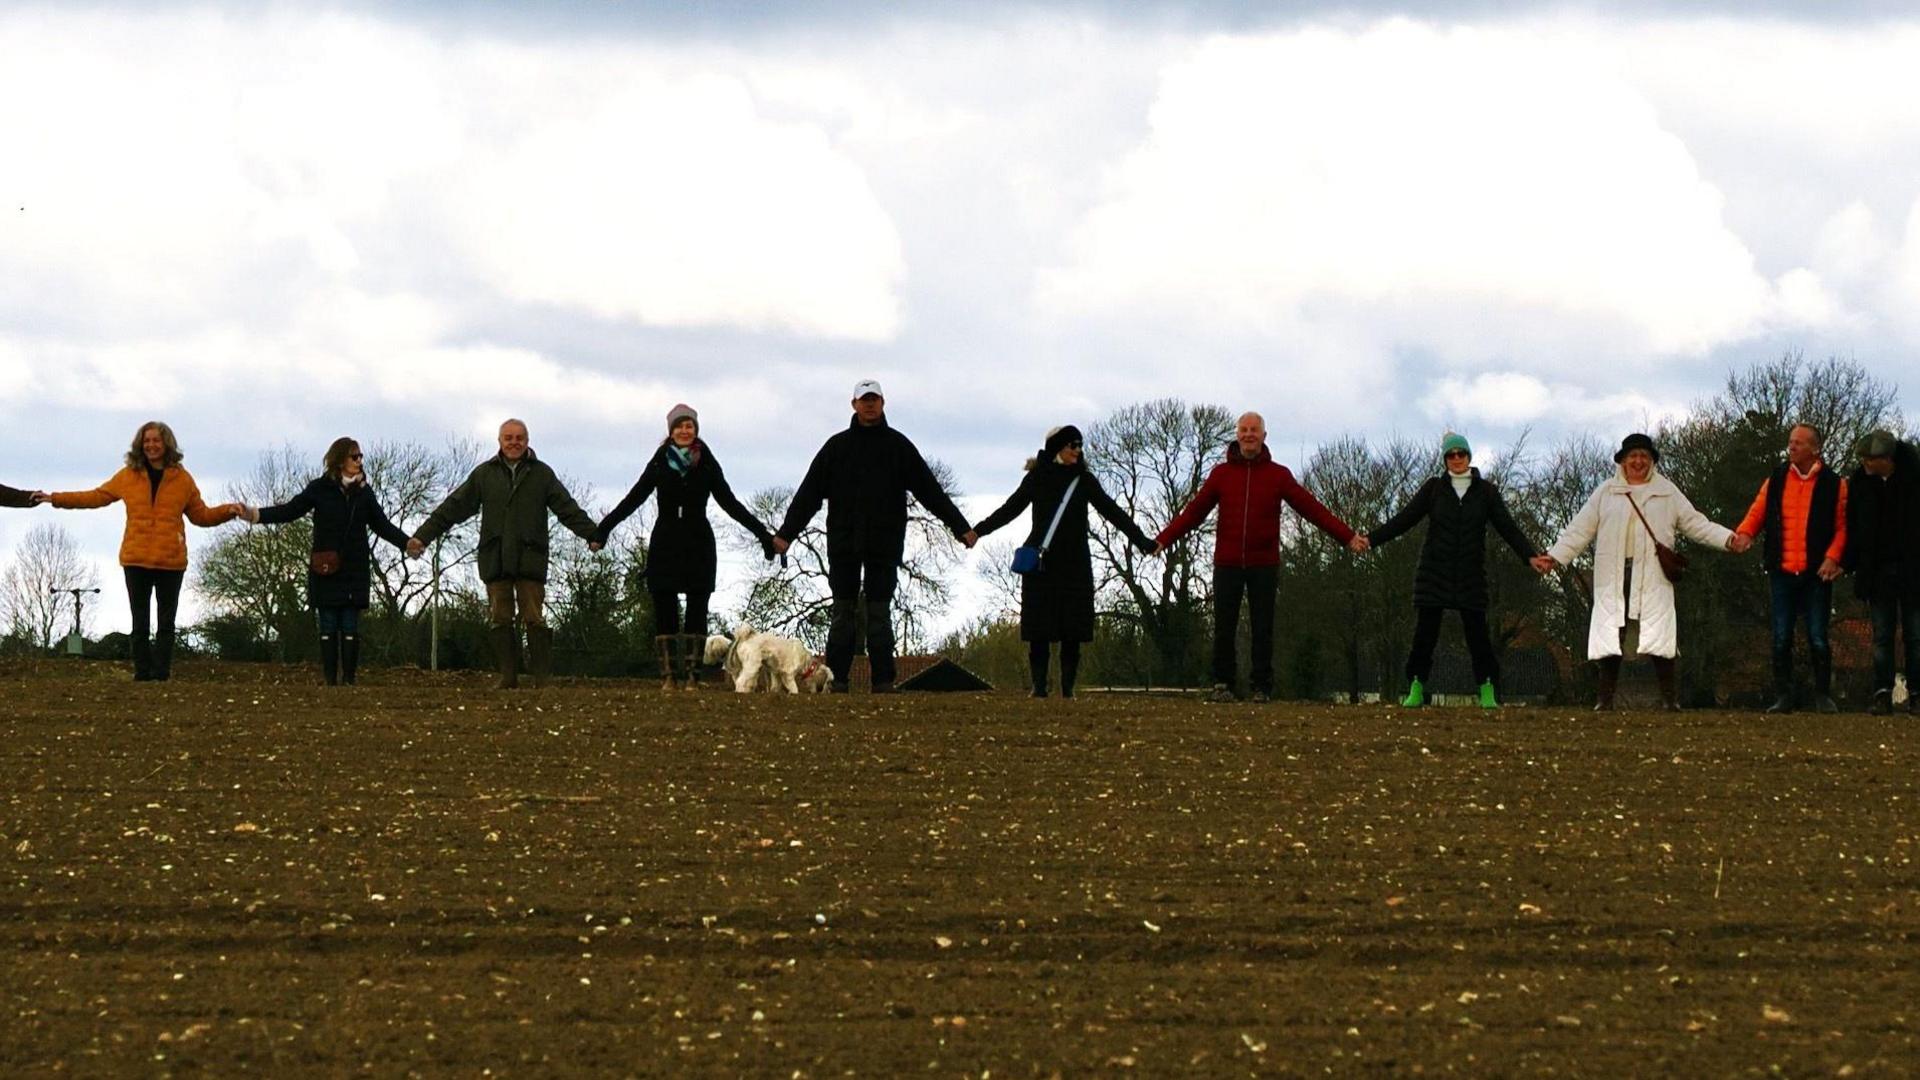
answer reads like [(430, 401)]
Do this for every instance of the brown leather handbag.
[(325, 563), (1672, 563)]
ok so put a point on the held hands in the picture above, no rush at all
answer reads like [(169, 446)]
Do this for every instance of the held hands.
[(41, 497), (415, 548), (1829, 570), (767, 547), (1360, 545), (1147, 547), (969, 538), (780, 545), (1542, 564), (594, 545), (1739, 543)]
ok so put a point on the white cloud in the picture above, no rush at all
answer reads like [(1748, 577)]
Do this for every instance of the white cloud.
[(1461, 186), (1514, 399), (181, 167)]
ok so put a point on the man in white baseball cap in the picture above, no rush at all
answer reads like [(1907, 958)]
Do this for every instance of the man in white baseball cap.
[(864, 474)]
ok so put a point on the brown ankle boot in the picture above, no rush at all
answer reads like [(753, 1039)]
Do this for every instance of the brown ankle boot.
[(1665, 670)]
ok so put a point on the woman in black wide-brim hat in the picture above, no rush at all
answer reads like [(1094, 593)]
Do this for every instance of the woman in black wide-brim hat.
[(1056, 601)]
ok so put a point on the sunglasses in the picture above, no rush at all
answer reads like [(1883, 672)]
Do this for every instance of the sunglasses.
[(1457, 453), (353, 457), (1074, 445)]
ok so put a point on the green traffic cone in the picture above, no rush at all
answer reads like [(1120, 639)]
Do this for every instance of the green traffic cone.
[(1416, 696), (1486, 696)]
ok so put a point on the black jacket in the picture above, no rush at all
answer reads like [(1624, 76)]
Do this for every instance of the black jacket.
[(1056, 603), (1883, 528), (15, 497), (864, 475), (341, 518), (680, 553), (1453, 558)]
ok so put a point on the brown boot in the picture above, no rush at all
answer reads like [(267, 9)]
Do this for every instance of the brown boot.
[(506, 653), (668, 645), (691, 647), (1609, 682)]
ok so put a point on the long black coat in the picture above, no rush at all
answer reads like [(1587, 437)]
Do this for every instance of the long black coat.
[(680, 553), (1892, 504), (1453, 558), (341, 518), (1056, 603), (15, 497), (864, 475)]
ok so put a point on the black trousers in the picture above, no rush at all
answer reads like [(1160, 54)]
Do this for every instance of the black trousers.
[(1258, 583), (1038, 662), (846, 578), (666, 613), (1426, 634), (152, 656)]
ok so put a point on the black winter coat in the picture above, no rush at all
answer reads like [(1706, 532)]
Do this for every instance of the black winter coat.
[(1056, 604), (341, 518), (1883, 518), (864, 475), (15, 497), (1453, 558), (680, 553)]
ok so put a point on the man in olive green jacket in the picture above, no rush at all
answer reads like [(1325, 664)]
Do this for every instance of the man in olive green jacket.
[(512, 492)]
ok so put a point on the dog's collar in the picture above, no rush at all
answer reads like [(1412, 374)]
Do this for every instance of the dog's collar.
[(813, 665)]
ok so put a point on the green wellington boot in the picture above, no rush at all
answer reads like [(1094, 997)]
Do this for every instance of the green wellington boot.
[(1416, 696), (1487, 700)]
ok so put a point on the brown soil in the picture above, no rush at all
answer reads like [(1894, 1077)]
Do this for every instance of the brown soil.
[(242, 872)]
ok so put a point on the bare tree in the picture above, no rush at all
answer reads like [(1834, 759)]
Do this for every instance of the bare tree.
[(1152, 458), (47, 558), (259, 575), (411, 478)]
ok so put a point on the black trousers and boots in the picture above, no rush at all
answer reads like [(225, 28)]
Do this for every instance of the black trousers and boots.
[(680, 640), (849, 578), (1426, 635), (1038, 657), (153, 656), (1258, 583)]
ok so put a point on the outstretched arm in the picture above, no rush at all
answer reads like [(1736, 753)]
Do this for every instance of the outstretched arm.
[(1192, 514), (461, 504), (1310, 508), (926, 487), (1510, 530), (291, 510), (637, 496), (1102, 502), (806, 500), (1412, 514), (1021, 498), (723, 494)]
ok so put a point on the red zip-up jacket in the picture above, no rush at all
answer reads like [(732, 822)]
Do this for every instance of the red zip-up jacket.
[(1249, 494)]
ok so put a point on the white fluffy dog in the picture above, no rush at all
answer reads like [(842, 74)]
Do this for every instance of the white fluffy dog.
[(767, 662)]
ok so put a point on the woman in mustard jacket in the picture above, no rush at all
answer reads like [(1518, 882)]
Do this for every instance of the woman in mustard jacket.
[(160, 497)]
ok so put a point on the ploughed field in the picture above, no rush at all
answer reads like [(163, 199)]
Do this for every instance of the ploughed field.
[(241, 872)]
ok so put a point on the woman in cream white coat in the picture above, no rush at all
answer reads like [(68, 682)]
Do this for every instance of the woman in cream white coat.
[(1632, 598)]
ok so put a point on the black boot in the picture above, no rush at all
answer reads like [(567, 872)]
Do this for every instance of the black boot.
[(330, 658), (506, 653), (1664, 669), (142, 659), (1823, 682), (349, 658), (540, 654), (1782, 682), (1069, 667), (163, 655), (1882, 703), (1609, 682), (1037, 662)]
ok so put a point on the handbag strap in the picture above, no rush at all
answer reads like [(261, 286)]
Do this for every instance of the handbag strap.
[(1058, 512), (1657, 545)]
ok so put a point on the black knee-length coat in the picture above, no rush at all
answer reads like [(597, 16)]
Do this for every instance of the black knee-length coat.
[(1056, 604), (1453, 558), (680, 553), (342, 515)]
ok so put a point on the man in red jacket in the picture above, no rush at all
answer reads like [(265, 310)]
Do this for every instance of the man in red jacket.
[(1250, 489)]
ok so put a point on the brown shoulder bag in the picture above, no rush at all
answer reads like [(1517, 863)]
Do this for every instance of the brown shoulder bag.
[(1672, 563)]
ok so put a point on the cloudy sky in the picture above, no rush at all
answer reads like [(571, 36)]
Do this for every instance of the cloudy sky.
[(278, 224)]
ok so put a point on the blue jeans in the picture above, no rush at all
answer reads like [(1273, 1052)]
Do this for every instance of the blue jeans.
[(339, 620), (1891, 614), (1795, 597)]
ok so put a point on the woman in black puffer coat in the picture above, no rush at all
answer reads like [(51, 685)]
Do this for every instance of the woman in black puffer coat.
[(340, 575), (1457, 506), (1056, 602), (681, 557)]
